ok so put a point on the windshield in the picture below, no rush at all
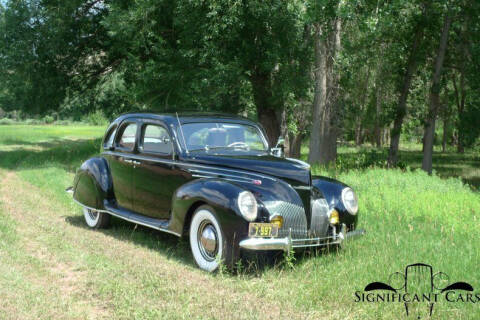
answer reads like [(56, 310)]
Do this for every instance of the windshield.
[(219, 135)]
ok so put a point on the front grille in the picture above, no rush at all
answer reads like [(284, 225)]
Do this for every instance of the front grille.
[(319, 225), (293, 218)]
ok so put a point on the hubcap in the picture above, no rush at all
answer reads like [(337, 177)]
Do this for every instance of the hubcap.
[(92, 214), (207, 240)]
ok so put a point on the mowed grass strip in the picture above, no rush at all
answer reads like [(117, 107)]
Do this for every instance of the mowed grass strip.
[(127, 272)]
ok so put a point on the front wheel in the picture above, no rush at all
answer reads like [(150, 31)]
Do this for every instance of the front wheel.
[(96, 219), (206, 239)]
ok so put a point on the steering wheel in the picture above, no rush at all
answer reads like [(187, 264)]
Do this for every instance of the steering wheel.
[(239, 144)]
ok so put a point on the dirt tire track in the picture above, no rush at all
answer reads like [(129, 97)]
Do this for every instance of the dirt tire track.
[(62, 280)]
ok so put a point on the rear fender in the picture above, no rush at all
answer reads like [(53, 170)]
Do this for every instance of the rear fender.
[(93, 183)]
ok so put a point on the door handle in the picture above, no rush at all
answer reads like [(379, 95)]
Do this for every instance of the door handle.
[(128, 161), (136, 162)]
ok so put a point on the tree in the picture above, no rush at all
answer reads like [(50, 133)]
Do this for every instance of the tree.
[(404, 86), (326, 115), (434, 102), (211, 55), (46, 46)]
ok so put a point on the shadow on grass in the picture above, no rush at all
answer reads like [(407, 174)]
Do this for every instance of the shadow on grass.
[(67, 154), (166, 244), (178, 249), (43, 144), (448, 164)]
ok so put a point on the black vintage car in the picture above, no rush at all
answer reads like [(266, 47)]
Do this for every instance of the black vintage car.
[(215, 179)]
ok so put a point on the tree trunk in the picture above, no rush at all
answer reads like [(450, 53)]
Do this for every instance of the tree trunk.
[(460, 97), (445, 134), (296, 145), (320, 93), (323, 141), (429, 134), (268, 116), (362, 106), (384, 136), (460, 148), (446, 120), (378, 113), (401, 110), (378, 128), (332, 112), (358, 133)]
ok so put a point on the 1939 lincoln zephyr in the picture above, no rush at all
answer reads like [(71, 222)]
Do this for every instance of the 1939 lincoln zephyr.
[(215, 179)]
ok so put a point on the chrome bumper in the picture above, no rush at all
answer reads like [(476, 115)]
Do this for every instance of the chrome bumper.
[(287, 243)]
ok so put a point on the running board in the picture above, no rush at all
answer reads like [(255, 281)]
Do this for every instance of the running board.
[(157, 224)]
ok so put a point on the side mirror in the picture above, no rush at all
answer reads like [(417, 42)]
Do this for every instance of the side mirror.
[(278, 151)]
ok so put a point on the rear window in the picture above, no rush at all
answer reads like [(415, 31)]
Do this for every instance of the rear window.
[(108, 141)]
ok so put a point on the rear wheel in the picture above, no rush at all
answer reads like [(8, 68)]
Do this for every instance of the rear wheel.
[(96, 219), (206, 239)]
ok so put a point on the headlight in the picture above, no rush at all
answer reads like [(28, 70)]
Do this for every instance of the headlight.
[(247, 205), (350, 201)]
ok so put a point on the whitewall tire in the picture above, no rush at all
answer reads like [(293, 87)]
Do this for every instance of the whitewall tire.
[(96, 219), (206, 239)]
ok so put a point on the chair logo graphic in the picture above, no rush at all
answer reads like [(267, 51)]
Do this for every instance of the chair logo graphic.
[(418, 288)]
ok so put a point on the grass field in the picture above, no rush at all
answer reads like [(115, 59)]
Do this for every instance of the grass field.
[(53, 267)]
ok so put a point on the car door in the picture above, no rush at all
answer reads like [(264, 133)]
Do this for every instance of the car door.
[(156, 176), (121, 163)]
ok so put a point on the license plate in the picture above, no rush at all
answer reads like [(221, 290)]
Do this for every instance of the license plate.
[(262, 230)]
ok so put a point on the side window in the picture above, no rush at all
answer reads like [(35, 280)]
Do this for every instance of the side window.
[(156, 139), (108, 141), (127, 139)]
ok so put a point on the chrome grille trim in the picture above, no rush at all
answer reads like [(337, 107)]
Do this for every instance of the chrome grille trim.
[(293, 218), (320, 215)]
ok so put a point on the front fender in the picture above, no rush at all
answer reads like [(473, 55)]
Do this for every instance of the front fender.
[(93, 183), (332, 191), (221, 195)]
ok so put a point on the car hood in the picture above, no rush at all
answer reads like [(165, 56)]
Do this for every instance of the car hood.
[(293, 170)]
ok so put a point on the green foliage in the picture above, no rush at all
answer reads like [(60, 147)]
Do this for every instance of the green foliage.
[(6, 121), (96, 118), (289, 259), (244, 57), (46, 48), (63, 122), (469, 122), (362, 160), (48, 119)]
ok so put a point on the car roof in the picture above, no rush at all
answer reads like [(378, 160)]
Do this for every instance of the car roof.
[(185, 117)]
